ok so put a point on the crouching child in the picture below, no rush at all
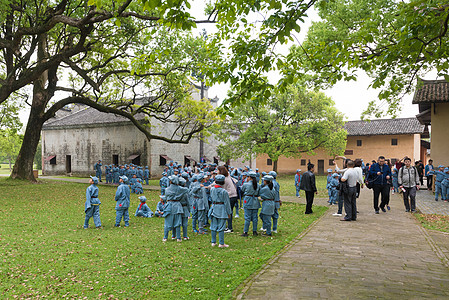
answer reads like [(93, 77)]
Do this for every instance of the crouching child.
[(92, 205), (160, 207), (143, 210)]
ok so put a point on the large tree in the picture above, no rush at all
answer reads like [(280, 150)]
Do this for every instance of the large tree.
[(394, 42), (288, 124), (106, 54)]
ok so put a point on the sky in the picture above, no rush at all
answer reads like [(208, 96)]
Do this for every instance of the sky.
[(351, 98)]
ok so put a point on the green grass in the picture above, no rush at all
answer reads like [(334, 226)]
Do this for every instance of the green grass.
[(434, 222), (287, 183), (44, 251), (4, 169)]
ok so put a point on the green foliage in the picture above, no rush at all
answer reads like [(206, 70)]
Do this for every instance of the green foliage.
[(10, 143), (49, 254), (394, 42), (297, 121)]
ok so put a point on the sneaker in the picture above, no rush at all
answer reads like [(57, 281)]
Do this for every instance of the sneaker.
[(383, 209), (213, 244), (407, 210), (236, 216), (85, 227), (274, 231), (244, 234), (255, 233), (337, 215), (179, 240), (377, 212), (173, 238), (164, 240), (413, 210), (299, 196), (186, 238), (228, 231), (388, 207), (117, 225), (223, 246), (263, 229)]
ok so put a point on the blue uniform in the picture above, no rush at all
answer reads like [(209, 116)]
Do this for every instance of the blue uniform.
[(97, 168), (143, 211), (115, 174), (173, 210), (121, 171), (159, 209), (146, 175), (267, 197), (333, 184), (122, 198), (439, 177), (140, 173), (277, 203), (329, 191), (132, 184), (218, 213), (395, 182), (186, 210), (92, 206), (138, 189), (251, 205), (163, 183), (297, 181)]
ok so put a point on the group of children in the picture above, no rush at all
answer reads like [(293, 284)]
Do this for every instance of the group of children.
[(441, 182), (197, 194), (113, 173)]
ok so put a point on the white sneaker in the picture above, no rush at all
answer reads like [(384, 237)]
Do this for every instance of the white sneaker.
[(274, 231), (223, 246), (236, 216), (213, 244), (299, 196), (262, 229), (228, 231), (337, 215)]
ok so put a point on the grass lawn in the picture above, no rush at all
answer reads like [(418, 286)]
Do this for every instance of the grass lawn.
[(45, 252), (434, 222), (287, 183), (4, 169)]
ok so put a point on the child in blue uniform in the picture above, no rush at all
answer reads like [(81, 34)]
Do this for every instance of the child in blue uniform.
[(297, 182), (97, 168), (122, 198), (185, 206), (92, 205), (143, 210), (173, 209), (251, 203), (160, 207), (219, 212), (333, 184), (328, 180), (202, 205), (106, 171), (267, 196), (439, 177), (445, 185), (163, 182), (138, 189), (277, 202), (146, 175), (394, 175), (132, 183), (115, 174)]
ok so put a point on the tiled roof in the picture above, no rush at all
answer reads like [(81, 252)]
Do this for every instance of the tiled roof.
[(432, 91), (384, 127), (86, 116)]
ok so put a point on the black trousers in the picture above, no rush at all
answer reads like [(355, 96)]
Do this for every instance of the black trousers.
[(410, 192), (350, 204), (429, 181), (233, 202), (309, 200), (384, 191)]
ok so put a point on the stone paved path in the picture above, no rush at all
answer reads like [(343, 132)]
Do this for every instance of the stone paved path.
[(425, 202), (387, 256)]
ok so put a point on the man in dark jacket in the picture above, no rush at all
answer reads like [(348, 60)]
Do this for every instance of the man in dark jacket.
[(308, 185), (380, 174)]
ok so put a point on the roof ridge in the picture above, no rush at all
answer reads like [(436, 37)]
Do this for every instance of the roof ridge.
[(68, 115)]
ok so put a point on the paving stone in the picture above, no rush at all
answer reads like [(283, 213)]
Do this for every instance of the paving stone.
[(385, 256)]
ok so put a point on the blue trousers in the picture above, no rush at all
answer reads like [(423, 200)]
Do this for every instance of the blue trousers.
[(176, 231), (201, 220), (98, 174), (250, 216), (146, 181), (438, 191), (122, 213), (93, 211), (275, 218), (217, 225), (214, 237), (266, 221), (185, 224), (445, 190), (297, 190)]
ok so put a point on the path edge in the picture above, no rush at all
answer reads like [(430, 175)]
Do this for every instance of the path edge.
[(241, 290)]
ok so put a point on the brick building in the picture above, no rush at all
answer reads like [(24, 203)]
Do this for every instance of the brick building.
[(392, 138)]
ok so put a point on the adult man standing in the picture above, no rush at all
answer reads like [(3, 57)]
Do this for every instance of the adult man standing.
[(408, 180), (307, 184), (381, 173), (429, 167), (97, 168), (351, 176)]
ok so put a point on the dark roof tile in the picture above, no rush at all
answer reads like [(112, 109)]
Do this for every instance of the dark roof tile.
[(432, 91), (384, 127)]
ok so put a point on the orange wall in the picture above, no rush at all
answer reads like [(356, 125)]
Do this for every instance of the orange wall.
[(439, 146), (372, 147)]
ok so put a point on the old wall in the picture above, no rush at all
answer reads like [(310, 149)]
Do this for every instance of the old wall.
[(439, 146)]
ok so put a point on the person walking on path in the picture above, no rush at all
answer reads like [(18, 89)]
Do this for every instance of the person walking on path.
[(351, 177), (381, 174), (308, 185), (408, 180), (97, 168), (429, 167)]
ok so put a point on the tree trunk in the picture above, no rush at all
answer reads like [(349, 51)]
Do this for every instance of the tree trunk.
[(275, 166), (23, 168)]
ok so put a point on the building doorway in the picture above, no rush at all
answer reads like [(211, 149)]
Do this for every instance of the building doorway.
[(321, 166), (115, 159), (68, 164)]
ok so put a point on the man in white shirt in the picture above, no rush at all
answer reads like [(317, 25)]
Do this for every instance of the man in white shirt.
[(351, 177)]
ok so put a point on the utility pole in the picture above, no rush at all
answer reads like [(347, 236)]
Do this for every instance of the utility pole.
[(201, 133)]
